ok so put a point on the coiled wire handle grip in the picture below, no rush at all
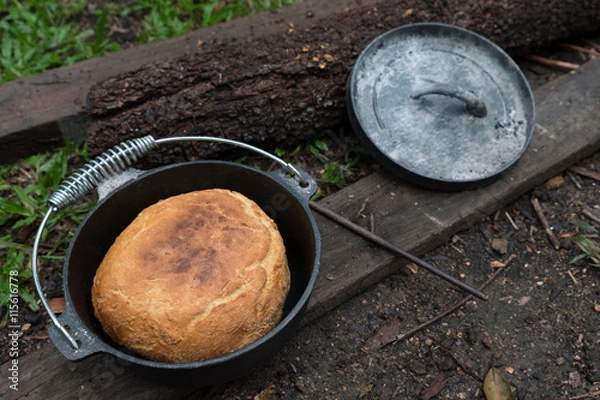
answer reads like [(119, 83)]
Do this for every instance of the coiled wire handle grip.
[(108, 164)]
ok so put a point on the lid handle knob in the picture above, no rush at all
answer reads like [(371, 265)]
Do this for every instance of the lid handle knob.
[(473, 105)]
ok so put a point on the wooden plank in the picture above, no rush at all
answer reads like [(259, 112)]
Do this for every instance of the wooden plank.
[(417, 220), (39, 112)]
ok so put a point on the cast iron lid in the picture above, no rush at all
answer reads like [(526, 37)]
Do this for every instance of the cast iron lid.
[(440, 105)]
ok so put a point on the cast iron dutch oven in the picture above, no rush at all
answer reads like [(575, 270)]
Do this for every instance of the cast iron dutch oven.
[(283, 194), (440, 106)]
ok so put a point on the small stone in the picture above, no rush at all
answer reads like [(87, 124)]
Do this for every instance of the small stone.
[(574, 379), (500, 245), (487, 340), (524, 300), (560, 361), (35, 319), (567, 243), (299, 385)]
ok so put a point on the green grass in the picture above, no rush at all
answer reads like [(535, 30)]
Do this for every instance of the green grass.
[(588, 241), (40, 35), (22, 206), (339, 165), (37, 35)]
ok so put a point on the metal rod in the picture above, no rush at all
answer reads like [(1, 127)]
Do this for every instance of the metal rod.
[(290, 168), (38, 285), (394, 249)]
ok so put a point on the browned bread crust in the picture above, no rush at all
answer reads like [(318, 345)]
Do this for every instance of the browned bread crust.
[(193, 277)]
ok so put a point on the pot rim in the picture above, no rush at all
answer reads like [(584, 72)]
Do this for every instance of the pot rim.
[(71, 317)]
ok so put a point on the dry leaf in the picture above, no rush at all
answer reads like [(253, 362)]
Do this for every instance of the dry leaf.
[(574, 379), (524, 300), (438, 384), (384, 335), (496, 387), (267, 394), (57, 305), (410, 268), (554, 183), (365, 391)]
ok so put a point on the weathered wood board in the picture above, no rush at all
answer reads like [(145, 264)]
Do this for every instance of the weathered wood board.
[(416, 220)]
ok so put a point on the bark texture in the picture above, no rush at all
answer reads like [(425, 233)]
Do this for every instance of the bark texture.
[(283, 88)]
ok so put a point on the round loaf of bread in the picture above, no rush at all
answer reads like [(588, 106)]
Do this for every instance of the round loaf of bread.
[(193, 277)]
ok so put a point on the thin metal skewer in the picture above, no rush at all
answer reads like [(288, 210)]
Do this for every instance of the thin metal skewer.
[(394, 249)]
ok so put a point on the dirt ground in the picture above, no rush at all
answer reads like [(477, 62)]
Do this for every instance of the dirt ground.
[(540, 328)]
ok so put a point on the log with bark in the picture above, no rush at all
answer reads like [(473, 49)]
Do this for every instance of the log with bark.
[(283, 88)]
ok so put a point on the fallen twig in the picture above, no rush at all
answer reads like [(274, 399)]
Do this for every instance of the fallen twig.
[(392, 248), (449, 311), (362, 208), (585, 172), (588, 212), (593, 44), (511, 221), (468, 371), (586, 395), (579, 48), (575, 281), (563, 65), (538, 210), (438, 384), (575, 178)]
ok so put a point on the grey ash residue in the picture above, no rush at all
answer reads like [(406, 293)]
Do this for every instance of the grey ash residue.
[(508, 128)]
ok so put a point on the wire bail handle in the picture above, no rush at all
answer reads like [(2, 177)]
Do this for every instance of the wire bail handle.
[(104, 166)]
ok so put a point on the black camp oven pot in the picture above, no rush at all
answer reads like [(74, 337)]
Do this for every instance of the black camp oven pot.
[(282, 196)]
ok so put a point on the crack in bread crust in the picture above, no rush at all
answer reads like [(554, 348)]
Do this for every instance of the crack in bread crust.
[(193, 277)]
